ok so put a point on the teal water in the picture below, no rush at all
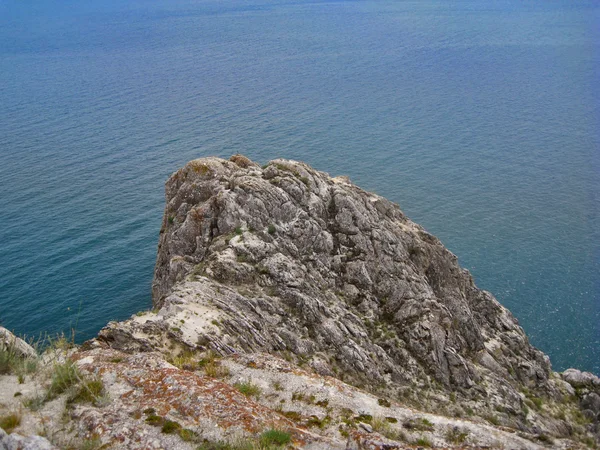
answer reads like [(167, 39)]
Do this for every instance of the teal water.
[(479, 117)]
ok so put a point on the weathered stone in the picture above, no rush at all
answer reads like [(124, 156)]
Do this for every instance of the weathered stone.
[(15, 441), (365, 426), (579, 379), (17, 345), (592, 402), (290, 259)]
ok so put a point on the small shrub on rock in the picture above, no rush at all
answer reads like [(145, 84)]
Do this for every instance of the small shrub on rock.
[(419, 424), (383, 402), (170, 427), (383, 427), (154, 420), (248, 389), (456, 435), (63, 377), (275, 437)]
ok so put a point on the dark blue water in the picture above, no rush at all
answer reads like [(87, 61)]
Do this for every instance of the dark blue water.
[(479, 117)]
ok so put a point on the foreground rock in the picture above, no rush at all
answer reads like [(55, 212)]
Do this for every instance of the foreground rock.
[(17, 442), (147, 402), (290, 301)]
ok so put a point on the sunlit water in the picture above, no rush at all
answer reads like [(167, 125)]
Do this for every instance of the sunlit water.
[(480, 118)]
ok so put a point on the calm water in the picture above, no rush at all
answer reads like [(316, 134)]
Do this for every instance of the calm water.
[(479, 117)]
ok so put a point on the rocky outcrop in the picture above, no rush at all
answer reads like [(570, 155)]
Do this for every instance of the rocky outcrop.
[(288, 299), (579, 379), (17, 442), (291, 259), (147, 402), (287, 260), (586, 387)]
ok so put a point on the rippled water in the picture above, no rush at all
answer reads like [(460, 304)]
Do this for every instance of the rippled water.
[(480, 118)]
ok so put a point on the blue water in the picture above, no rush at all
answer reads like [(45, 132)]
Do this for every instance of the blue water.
[(479, 117)]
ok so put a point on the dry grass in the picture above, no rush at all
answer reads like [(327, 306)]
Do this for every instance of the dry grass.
[(184, 360), (11, 421), (383, 426), (88, 391), (216, 370), (212, 366)]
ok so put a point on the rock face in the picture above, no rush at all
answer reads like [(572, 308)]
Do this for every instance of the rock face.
[(316, 266), (287, 260), (18, 442), (291, 259)]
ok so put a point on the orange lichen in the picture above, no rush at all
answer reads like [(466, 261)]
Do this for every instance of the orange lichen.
[(241, 161), (191, 396)]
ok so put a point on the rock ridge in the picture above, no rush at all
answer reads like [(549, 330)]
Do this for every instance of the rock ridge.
[(316, 266)]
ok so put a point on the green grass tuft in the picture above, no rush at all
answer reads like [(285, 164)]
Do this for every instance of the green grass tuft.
[(35, 403), (184, 360), (248, 389), (423, 442), (419, 424), (493, 420), (170, 427), (383, 426), (64, 376), (188, 435), (383, 402), (93, 443), (275, 437), (89, 391), (456, 435), (7, 361), (154, 420)]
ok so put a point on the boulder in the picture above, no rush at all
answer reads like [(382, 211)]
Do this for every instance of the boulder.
[(10, 342)]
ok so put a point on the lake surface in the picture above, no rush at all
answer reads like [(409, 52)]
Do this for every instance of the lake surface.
[(481, 118)]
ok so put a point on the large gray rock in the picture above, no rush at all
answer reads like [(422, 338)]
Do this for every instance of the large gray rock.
[(579, 379), (592, 402), (17, 442), (9, 341)]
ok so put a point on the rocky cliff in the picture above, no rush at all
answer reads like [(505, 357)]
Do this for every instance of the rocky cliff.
[(358, 327)]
